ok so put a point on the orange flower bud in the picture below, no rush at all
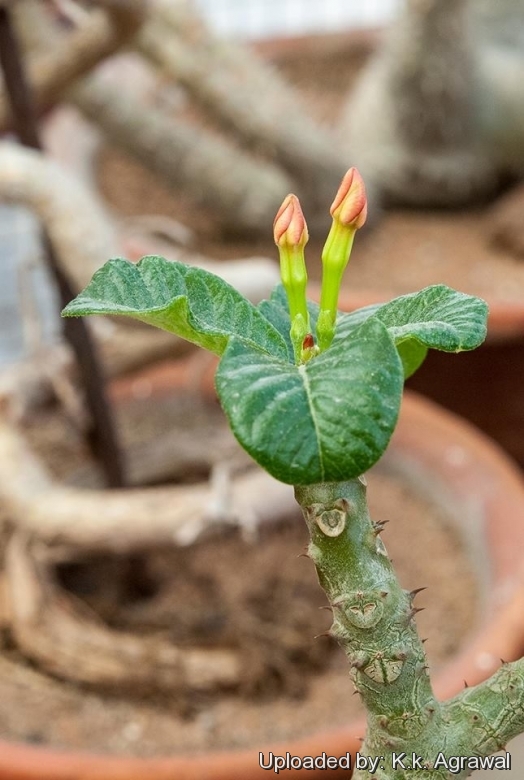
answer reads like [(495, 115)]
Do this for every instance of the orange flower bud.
[(350, 206), (349, 211), (290, 233), (289, 227)]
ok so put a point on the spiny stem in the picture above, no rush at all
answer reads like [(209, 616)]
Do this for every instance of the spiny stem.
[(373, 620), (373, 615)]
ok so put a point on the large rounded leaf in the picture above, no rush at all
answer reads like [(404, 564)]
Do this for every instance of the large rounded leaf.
[(436, 317), (183, 299), (328, 420)]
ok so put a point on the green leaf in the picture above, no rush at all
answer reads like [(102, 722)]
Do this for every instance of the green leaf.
[(182, 299), (276, 311), (328, 420), (436, 317), (325, 421), (412, 354)]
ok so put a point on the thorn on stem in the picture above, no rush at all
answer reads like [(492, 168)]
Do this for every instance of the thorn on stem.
[(414, 611)]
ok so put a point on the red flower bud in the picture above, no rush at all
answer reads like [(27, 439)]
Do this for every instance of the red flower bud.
[(308, 342), (350, 206)]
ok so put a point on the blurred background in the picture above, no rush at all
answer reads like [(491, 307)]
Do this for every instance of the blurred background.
[(253, 21), (177, 128), (257, 20)]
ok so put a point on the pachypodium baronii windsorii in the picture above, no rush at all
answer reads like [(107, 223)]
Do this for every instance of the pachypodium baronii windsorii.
[(313, 395)]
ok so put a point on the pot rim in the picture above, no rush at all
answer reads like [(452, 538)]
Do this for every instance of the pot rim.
[(472, 467)]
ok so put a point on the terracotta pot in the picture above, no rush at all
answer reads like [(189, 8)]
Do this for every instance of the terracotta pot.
[(483, 386), (484, 490)]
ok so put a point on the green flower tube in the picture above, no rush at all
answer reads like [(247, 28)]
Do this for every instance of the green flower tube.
[(291, 235), (349, 212)]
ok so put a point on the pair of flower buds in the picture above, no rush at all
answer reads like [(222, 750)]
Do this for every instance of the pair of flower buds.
[(349, 211)]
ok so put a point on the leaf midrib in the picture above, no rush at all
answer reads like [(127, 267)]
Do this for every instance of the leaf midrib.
[(302, 371)]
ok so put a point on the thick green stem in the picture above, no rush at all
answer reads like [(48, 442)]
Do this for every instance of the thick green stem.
[(409, 731)]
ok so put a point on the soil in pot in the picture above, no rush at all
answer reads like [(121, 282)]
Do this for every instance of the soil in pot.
[(255, 595)]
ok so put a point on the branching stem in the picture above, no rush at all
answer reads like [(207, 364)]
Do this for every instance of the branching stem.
[(373, 620)]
